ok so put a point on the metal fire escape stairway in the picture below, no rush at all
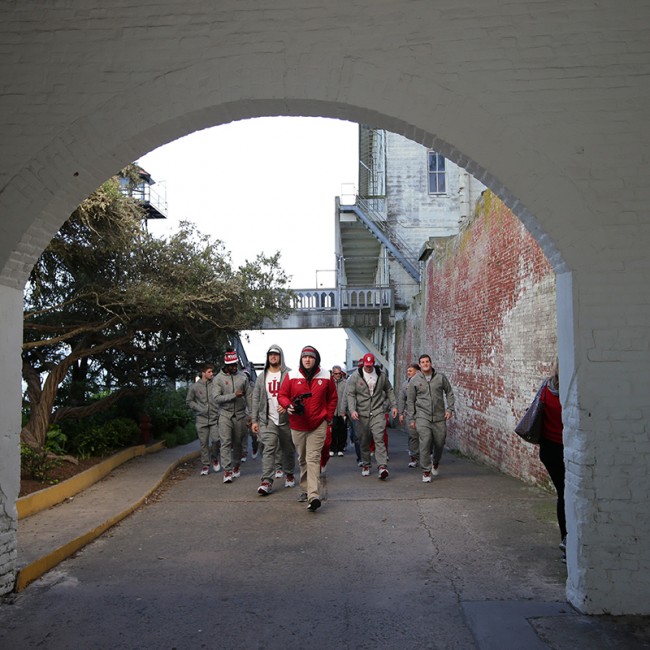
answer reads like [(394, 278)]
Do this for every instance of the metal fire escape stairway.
[(376, 225)]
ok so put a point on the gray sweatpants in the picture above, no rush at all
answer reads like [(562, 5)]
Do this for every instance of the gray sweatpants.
[(208, 435), (276, 438), (231, 433), (432, 436), (372, 428)]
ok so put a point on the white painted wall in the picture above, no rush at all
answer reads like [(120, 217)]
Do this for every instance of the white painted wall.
[(546, 105)]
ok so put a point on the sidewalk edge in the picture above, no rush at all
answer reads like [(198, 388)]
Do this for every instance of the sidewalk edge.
[(33, 503), (30, 572)]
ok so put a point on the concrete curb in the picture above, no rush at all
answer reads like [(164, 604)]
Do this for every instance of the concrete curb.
[(35, 569), (48, 497)]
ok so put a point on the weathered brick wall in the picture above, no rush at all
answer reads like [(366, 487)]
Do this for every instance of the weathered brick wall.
[(488, 321)]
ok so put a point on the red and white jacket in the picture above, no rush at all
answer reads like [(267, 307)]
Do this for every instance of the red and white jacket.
[(320, 406)]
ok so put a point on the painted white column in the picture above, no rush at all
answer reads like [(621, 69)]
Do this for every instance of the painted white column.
[(11, 330), (604, 388)]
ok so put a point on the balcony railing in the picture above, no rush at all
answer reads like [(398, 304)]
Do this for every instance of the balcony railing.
[(342, 298)]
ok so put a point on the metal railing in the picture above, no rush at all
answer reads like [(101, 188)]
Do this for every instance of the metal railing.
[(375, 209), (376, 223), (342, 298)]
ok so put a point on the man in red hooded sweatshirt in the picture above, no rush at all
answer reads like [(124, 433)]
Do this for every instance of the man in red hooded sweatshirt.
[(309, 396)]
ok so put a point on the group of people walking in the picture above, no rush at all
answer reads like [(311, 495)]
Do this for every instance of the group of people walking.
[(310, 412)]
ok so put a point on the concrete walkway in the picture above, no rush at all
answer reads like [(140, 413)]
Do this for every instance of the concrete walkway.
[(468, 561), (50, 536)]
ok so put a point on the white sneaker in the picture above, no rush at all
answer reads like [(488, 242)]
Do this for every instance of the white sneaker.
[(331, 453), (290, 481), (204, 470), (264, 488), (279, 473), (426, 477), (216, 466), (236, 472), (434, 470), (366, 470), (340, 453)]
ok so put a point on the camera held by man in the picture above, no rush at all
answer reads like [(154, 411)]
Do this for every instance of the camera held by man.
[(297, 403)]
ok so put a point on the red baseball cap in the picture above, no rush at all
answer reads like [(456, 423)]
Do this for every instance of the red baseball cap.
[(368, 359)]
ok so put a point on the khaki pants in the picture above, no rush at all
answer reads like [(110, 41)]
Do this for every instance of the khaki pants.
[(309, 445)]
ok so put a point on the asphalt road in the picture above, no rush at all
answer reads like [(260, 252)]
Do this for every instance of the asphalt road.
[(386, 564)]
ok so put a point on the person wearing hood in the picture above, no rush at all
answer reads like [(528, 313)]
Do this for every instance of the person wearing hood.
[(270, 422), (309, 396), (367, 391), (233, 395)]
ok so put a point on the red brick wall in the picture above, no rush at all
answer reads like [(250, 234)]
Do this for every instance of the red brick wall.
[(488, 322)]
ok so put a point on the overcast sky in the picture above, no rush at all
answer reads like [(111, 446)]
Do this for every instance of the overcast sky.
[(263, 185)]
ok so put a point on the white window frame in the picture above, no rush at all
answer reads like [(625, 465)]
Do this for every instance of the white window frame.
[(437, 177)]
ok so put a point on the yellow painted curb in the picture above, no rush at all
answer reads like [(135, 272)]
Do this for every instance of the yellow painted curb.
[(48, 497), (36, 569)]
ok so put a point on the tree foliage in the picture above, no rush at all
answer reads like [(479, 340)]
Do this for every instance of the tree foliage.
[(109, 302)]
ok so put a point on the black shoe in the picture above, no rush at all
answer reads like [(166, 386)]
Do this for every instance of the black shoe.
[(314, 505)]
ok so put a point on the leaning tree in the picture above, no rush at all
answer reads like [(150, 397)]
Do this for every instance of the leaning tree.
[(109, 302)]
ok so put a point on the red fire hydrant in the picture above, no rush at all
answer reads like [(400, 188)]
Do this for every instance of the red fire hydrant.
[(145, 429)]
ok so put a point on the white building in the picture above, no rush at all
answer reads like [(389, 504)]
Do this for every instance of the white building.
[(407, 195)]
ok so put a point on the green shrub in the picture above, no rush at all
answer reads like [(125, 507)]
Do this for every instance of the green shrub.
[(103, 439), (179, 435), (185, 434), (167, 410), (56, 441), (36, 464), (169, 438), (99, 435)]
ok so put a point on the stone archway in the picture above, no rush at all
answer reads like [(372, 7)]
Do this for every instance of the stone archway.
[(560, 128)]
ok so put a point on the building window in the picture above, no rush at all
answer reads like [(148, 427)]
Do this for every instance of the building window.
[(436, 167)]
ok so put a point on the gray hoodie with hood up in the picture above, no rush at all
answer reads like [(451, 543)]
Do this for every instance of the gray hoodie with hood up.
[(260, 407)]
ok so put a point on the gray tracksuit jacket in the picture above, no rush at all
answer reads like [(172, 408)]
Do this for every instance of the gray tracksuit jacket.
[(201, 399), (426, 399), (401, 397), (225, 388), (341, 405), (360, 399)]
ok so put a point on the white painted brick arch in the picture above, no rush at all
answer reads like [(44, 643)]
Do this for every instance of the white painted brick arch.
[(546, 103)]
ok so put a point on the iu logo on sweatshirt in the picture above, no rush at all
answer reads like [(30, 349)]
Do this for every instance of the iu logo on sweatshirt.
[(273, 387)]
